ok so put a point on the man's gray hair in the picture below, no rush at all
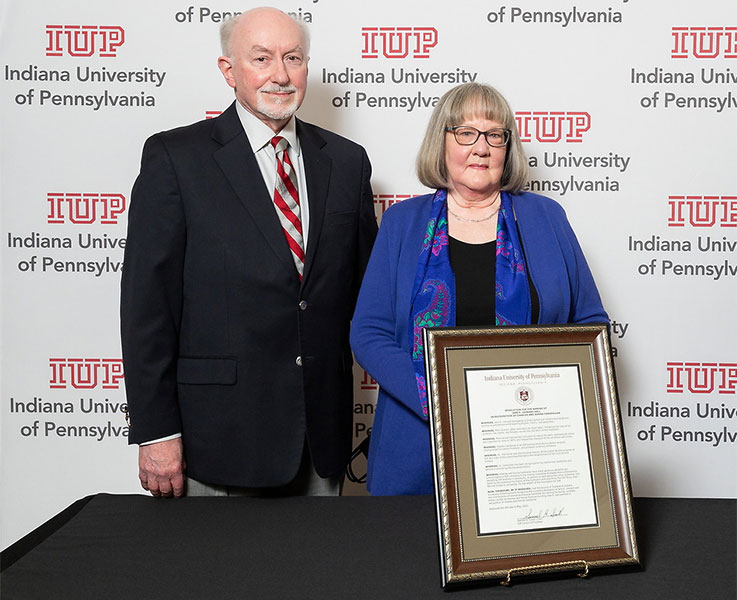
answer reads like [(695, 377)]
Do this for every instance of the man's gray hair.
[(227, 27)]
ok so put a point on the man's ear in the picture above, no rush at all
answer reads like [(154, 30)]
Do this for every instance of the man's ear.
[(226, 68)]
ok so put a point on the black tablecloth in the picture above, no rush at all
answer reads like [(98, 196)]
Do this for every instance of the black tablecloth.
[(136, 547)]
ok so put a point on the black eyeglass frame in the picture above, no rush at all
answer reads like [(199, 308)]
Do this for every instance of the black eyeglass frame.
[(507, 135)]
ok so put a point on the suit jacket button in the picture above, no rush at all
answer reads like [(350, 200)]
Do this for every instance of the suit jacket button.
[(299, 361), (303, 305)]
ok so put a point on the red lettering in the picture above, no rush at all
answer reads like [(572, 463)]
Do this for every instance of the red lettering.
[(85, 208), (701, 378), (704, 42), (702, 211), (368, 382), (384, 201), (398, 42), (552, 127), (86, 373), (84, 40)]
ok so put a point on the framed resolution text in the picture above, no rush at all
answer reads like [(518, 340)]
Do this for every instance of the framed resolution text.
[(528, 453)]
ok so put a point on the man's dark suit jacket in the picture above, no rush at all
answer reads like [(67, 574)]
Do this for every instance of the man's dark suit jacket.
[(221, 342)]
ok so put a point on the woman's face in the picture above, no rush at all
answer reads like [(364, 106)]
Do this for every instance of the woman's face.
[(474, 172)]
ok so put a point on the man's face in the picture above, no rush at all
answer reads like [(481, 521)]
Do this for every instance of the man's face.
[(268, 66)]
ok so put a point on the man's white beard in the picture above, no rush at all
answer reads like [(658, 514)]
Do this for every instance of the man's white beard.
[(286, 108)]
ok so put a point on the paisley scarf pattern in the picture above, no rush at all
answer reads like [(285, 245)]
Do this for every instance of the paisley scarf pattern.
[(433, 301)]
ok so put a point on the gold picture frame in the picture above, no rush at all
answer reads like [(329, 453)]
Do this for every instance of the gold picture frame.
[(528, 453)]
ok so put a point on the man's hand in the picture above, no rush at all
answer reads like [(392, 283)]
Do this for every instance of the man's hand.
[(161, 468)]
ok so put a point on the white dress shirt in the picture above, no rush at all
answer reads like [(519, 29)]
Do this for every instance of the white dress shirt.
[(259, 136)]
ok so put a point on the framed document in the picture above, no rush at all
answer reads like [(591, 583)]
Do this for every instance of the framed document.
[(528, 453)]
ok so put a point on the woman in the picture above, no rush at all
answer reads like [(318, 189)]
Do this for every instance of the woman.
[(478, 251)]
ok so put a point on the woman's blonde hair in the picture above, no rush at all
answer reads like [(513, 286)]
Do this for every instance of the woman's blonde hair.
[(460, 103)]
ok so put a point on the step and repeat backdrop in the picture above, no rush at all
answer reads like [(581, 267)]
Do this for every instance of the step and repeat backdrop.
[(628, 114)]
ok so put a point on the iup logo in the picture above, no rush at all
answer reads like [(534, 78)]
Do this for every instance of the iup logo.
[(368, 382), (701, 378), (84, 208), (552, 126), (702, 211), (384, 201), (398, 42), (85, 373), (704, 42), (84, 40)]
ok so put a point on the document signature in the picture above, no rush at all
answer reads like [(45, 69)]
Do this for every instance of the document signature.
[(544, 513)]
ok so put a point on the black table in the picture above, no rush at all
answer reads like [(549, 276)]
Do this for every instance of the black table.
[(135, 547)]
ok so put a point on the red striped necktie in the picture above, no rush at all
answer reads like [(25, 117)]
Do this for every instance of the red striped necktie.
[(286, 199)]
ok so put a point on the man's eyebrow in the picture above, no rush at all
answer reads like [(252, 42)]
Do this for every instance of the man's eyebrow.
[(258, 48), (297, 48)]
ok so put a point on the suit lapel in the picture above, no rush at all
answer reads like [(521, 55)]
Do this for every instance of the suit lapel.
[(317, 173), (240, 168)]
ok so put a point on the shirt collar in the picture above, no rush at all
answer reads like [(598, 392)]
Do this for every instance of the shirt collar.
[(259, 134)]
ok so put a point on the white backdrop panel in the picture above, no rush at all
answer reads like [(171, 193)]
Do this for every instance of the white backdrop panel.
[(630, 108)]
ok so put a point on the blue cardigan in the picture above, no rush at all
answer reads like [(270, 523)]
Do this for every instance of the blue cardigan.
[(399, 459)]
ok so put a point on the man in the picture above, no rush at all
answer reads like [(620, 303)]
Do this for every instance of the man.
[(242, 266)]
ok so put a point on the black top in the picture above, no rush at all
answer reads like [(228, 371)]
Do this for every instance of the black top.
[(475, 293), (474, 267)]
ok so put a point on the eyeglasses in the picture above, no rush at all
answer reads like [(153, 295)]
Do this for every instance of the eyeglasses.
[(468, 136)]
